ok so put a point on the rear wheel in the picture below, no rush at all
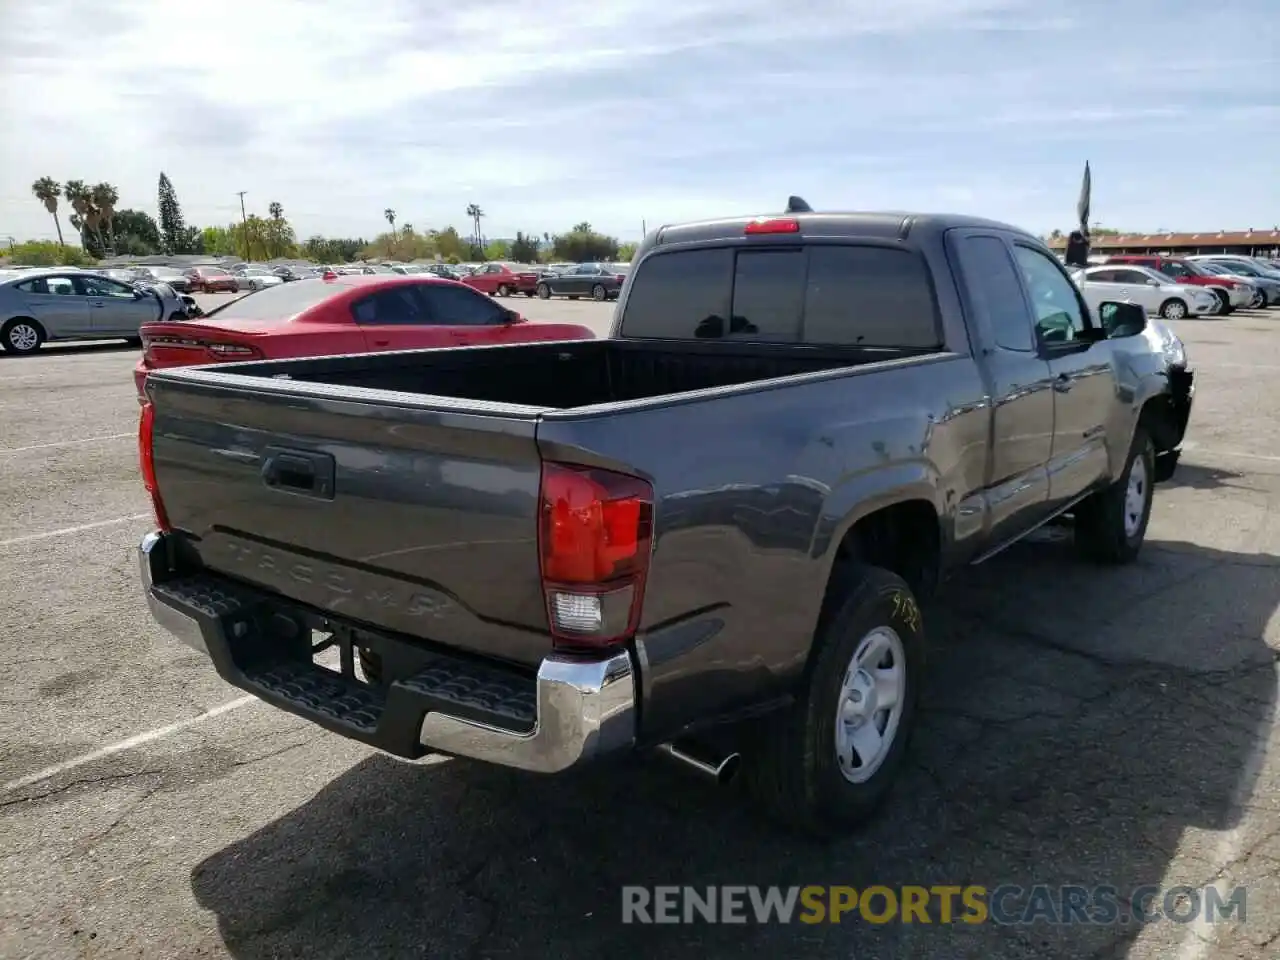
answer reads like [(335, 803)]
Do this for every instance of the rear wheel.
[(1224, 302), (1173, 309), (504, 290), (21, 335), (598, 292), (543, 291), (826, 764), (1259, 299)]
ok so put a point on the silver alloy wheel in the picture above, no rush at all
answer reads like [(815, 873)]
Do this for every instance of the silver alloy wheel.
[(24, 337), (1258, 301), (1135, 497), (869, 707), (1174, 310), (598, 292)]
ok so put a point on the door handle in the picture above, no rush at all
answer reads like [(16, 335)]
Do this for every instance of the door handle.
[(381, 343), (96, 303), (1062, 383), (299, 471)]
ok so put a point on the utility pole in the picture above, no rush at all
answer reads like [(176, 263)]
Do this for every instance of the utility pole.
[(245, 220), (644, 229)]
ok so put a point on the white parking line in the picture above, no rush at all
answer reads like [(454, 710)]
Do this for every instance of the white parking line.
[(28, 538), (1229, 454), (159, 733), (65, 443)]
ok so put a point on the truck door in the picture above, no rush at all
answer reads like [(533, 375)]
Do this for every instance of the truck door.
[(1020, 386), (1084, 382)]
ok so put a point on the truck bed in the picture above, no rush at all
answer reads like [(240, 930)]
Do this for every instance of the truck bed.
[(568, 374)]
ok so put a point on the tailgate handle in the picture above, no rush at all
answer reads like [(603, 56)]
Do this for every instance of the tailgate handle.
[(298, 471)]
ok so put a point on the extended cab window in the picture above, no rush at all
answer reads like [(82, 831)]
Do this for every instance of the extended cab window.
[(993, 287), (869, 297)]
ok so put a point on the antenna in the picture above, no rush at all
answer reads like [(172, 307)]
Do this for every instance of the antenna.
[(797, 205)]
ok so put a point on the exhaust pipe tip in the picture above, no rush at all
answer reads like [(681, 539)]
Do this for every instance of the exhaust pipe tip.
[(720, 768)]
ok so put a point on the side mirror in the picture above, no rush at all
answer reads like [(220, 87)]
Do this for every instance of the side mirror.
[(1121, 319)]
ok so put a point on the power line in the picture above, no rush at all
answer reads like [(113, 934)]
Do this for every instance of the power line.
[(245, 220)]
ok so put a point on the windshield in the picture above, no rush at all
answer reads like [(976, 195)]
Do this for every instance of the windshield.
[(1235, 266)]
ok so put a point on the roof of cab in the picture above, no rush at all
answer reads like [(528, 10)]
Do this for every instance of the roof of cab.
[(868, 225)]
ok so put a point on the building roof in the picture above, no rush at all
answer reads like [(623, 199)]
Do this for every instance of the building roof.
[(1219, 238)]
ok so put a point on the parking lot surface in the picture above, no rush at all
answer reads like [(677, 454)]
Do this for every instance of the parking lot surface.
[(1081, 726)]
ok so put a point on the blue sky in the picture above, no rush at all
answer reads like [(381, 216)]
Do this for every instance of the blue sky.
[(616, 112)]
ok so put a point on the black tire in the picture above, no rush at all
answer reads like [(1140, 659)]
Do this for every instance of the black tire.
[(599, 293), (543, 291), (16, 336), (528, 293), (133, 341), (1174, 309), (1259, 301), (793, 772), (1101, 532), (504, 290), (1224, 302), (574, 296)]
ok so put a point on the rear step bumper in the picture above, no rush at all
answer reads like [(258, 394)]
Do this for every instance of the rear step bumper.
[(571, 712)]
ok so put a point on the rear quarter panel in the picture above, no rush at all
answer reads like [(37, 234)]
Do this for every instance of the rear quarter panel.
[(753, 493)]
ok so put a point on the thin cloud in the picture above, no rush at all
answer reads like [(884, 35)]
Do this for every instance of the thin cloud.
[(628, 111)]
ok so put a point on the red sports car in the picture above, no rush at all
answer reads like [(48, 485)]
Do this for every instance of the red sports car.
[(211, 280), (503, 279), (341, 314)]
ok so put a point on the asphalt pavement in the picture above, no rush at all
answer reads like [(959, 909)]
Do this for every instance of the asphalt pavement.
[(1081, 726)]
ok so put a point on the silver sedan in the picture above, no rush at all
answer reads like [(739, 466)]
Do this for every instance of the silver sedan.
[(253, 277), (60, 304)]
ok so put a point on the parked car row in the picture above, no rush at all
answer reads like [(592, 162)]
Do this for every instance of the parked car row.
[(1178, 287)]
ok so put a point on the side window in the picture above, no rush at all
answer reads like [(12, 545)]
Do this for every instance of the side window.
[(676, 293), (1059, 316), (394, 306), (993, 287), (102, 287), (458, 306), (1175, 270), (869, 297), (768, 297), (1132, 277), (1103, 276), (47, 285)]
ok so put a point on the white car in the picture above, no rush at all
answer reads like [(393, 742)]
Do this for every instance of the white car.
[(1153, 291), (256, 278)]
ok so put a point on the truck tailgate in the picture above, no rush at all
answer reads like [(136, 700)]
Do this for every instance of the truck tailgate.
[(409, 518)]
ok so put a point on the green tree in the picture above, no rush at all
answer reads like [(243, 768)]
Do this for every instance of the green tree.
[(220, 241), (104, 197), (583, 244), (172, 227), (477, 237), (77, 195), (627, 252), (278, 233), (525, 248), (135, 233), (450, 245), (498, 250), (48, 190)]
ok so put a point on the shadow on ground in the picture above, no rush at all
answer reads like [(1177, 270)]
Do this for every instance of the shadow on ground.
[(78, 348), (1074, 733)]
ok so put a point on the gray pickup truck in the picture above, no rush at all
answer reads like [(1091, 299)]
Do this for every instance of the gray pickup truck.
[(705, 535)]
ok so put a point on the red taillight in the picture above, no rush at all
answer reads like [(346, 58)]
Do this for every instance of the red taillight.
[(593, 536), (147, 462), (777, 225), (233, 351), (329, 275)]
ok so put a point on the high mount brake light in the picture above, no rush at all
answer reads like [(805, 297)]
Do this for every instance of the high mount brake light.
[(775, 225), (147, 463), (594, 533)]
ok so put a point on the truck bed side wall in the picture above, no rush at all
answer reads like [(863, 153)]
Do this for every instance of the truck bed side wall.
[(748, 521)]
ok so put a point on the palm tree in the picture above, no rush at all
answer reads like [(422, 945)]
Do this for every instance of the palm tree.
[(475, 213), (77, 195), (391, 217), (582, 227), (105, 197), (276, 210), (47, 191)]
